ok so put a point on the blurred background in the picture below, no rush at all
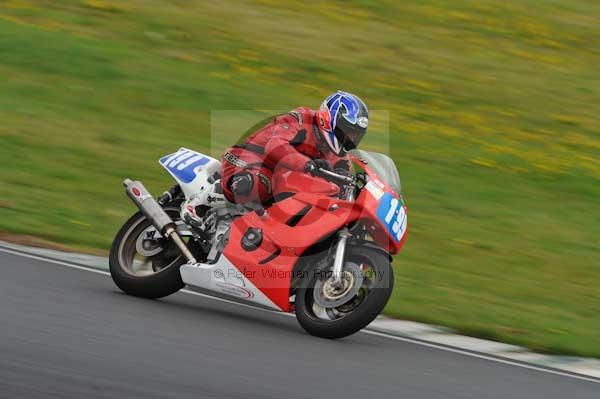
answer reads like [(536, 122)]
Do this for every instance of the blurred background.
[(494, 123)]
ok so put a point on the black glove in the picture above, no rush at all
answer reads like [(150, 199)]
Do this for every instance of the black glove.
[(342, 164), (343, 172), (342, 168), (314, 165)]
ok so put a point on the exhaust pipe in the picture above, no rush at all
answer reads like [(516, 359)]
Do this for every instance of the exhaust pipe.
[(142, 198)]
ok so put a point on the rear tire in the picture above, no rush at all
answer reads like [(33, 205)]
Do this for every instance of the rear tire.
[(161, 283), (380, 289)]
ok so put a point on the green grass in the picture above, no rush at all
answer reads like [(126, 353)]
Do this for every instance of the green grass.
[(494, 125)]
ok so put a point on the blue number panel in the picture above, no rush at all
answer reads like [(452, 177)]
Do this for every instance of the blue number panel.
[(183, 164), (392, 214)]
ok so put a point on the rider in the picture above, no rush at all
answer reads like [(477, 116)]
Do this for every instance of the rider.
[(301, 140)]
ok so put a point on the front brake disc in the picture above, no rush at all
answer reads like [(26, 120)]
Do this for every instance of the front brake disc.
[(326, 295)]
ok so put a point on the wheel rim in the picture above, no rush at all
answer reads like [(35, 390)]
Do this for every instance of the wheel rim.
[(144, 252), (349, 299)]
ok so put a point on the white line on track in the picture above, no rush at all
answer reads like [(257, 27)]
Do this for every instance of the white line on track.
[(366, 331)]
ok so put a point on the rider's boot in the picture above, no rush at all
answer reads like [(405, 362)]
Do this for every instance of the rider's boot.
[(194, 209)]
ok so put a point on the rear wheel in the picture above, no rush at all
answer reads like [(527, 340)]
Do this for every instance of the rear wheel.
[(329, 311), (142, 262)]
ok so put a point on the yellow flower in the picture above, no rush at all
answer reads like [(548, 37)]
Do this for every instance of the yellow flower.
[(488, 163), (104, 5)]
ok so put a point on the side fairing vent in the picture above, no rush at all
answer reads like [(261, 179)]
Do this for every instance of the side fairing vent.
[(294, 220)]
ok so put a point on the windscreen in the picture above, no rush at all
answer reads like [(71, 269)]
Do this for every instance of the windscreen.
[(383, 166)]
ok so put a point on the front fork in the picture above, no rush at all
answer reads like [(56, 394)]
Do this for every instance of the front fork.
[(340, 249), (338, 261)]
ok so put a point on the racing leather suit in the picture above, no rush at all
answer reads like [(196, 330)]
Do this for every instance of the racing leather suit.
[(286, 143)]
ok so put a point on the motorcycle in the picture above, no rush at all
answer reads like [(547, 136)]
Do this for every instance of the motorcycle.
[(322, 249)]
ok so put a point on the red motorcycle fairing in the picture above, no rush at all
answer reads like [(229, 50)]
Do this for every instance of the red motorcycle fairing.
[(295, 182), (293, 225)]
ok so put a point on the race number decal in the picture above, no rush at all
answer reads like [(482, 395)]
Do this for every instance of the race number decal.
[(392, 214), (183, 164), (374, 189)]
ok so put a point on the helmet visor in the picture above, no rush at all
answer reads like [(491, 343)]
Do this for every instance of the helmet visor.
[(350, 138)]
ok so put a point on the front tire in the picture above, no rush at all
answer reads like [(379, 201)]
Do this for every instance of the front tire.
[(159, 280), (360, 310)]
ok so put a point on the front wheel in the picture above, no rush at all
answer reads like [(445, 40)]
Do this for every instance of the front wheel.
[(328, 311)]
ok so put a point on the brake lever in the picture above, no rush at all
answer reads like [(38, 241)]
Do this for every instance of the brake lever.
[(337, 176)]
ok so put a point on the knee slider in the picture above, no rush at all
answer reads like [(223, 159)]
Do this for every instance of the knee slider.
[(241, 183)]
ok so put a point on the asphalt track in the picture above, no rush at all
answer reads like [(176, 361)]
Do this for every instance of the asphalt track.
[(68, 333)]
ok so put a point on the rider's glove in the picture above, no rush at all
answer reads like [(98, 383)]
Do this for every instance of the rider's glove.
[(314, 165), (342, 167), (342, 164)]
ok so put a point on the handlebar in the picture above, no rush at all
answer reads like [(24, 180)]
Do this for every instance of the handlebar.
[(337, 176)]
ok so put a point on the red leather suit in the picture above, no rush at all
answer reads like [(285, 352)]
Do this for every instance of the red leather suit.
[(286, 143)]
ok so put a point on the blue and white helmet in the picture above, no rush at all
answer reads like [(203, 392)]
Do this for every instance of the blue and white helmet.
[(343, 119)]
